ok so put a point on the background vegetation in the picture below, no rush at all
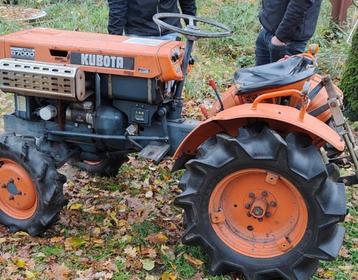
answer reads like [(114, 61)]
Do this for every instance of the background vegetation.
[(126, 227), (349, 83)]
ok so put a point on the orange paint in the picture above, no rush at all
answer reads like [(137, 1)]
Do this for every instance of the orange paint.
[(23, 204), (150, 61), (231, 97), (278, 228), (2, 47), (283, 93), (283, 119)]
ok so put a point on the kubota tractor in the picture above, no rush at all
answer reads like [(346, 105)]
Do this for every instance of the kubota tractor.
[(259, 193)]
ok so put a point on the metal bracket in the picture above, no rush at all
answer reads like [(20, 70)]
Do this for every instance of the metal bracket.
[(342, 127)]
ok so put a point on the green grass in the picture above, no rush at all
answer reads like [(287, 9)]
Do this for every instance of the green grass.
[(215, 59)]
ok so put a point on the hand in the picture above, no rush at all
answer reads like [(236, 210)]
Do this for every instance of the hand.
[(276, 42)]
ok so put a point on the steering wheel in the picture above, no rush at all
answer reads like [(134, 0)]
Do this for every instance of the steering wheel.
[(191, 30)]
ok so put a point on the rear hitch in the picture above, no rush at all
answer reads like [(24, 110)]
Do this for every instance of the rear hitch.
[(341, 125)]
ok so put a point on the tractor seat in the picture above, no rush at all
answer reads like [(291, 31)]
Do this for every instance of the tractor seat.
[(281, 73)]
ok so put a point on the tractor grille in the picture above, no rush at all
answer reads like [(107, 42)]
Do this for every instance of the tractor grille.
[(42, 79)]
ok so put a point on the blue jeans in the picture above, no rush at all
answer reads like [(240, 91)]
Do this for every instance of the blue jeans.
[(167, 37), (266, 52)]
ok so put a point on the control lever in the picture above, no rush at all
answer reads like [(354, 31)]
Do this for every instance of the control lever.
[(214, 86)]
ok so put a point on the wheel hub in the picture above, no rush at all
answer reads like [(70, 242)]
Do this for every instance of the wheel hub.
[(258, 213), (11, 188), (259, 208), (18, 197)]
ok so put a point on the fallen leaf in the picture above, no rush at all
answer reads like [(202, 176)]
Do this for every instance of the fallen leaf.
[(149, 194), (148, 264), (98, 241), (130, 251), (56, 239), (61, 271), (346, 268), (40, 255), (75, 206), (159, 238), (344, 252), (96, 231), (29, 275), (168, 276), (194, 261), (20, 263), (150, 252), (21, 234), (168, 252), (74, 243), (329, 274), (113, 217)]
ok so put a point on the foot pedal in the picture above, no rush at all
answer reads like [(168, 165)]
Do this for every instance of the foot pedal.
[(155, 151)]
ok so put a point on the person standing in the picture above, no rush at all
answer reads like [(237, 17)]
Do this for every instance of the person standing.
[(135, 17), (287, 25)]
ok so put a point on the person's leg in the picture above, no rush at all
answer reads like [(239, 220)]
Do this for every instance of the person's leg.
[(167, 37), (170, 37), (294, 48), (262, 50)]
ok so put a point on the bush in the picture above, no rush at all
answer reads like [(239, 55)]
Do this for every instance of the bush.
[(349, 83)]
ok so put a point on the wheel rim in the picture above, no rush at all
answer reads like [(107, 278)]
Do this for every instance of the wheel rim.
[(18, 197), (257, 213), (92, 163)]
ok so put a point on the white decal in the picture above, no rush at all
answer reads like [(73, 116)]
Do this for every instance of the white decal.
[(102, 61), (24, 53)]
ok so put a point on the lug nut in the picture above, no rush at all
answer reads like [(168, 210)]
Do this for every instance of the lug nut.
[(260, 220), (251, 195), (248, 214), (11, 197), (247, 205), (3, 186), (268, 214), (273, 204), (264, 193)]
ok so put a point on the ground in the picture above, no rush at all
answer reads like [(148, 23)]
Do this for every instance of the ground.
[(127, 227)]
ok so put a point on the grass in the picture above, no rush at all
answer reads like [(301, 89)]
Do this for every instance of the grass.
[(110, 239)]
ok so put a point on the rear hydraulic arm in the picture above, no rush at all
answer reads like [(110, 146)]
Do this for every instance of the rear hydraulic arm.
[(335, 104)]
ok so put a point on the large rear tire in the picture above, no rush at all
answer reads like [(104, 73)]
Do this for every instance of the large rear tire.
[(262, 206), (31, 189)]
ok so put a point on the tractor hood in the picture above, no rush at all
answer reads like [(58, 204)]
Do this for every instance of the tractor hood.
[(98, 53)]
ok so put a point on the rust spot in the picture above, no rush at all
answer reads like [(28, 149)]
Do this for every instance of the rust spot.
[(271, 178), (217, 217)]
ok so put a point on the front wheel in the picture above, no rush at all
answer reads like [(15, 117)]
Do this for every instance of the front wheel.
[(262, 206), (31, 189), (107, 167)]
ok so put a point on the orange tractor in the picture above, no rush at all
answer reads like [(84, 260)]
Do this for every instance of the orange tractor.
[(259, 193)]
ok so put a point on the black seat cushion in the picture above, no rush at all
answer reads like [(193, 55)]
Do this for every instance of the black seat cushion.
[(284, 72)]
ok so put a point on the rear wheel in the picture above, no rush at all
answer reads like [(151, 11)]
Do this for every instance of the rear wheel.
[(31, 189), (262, 205)]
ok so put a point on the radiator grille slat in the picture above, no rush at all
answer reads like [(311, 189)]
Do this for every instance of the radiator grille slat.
[(42, 79)]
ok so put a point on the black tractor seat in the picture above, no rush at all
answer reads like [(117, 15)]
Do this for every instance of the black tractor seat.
[(281, 73)]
